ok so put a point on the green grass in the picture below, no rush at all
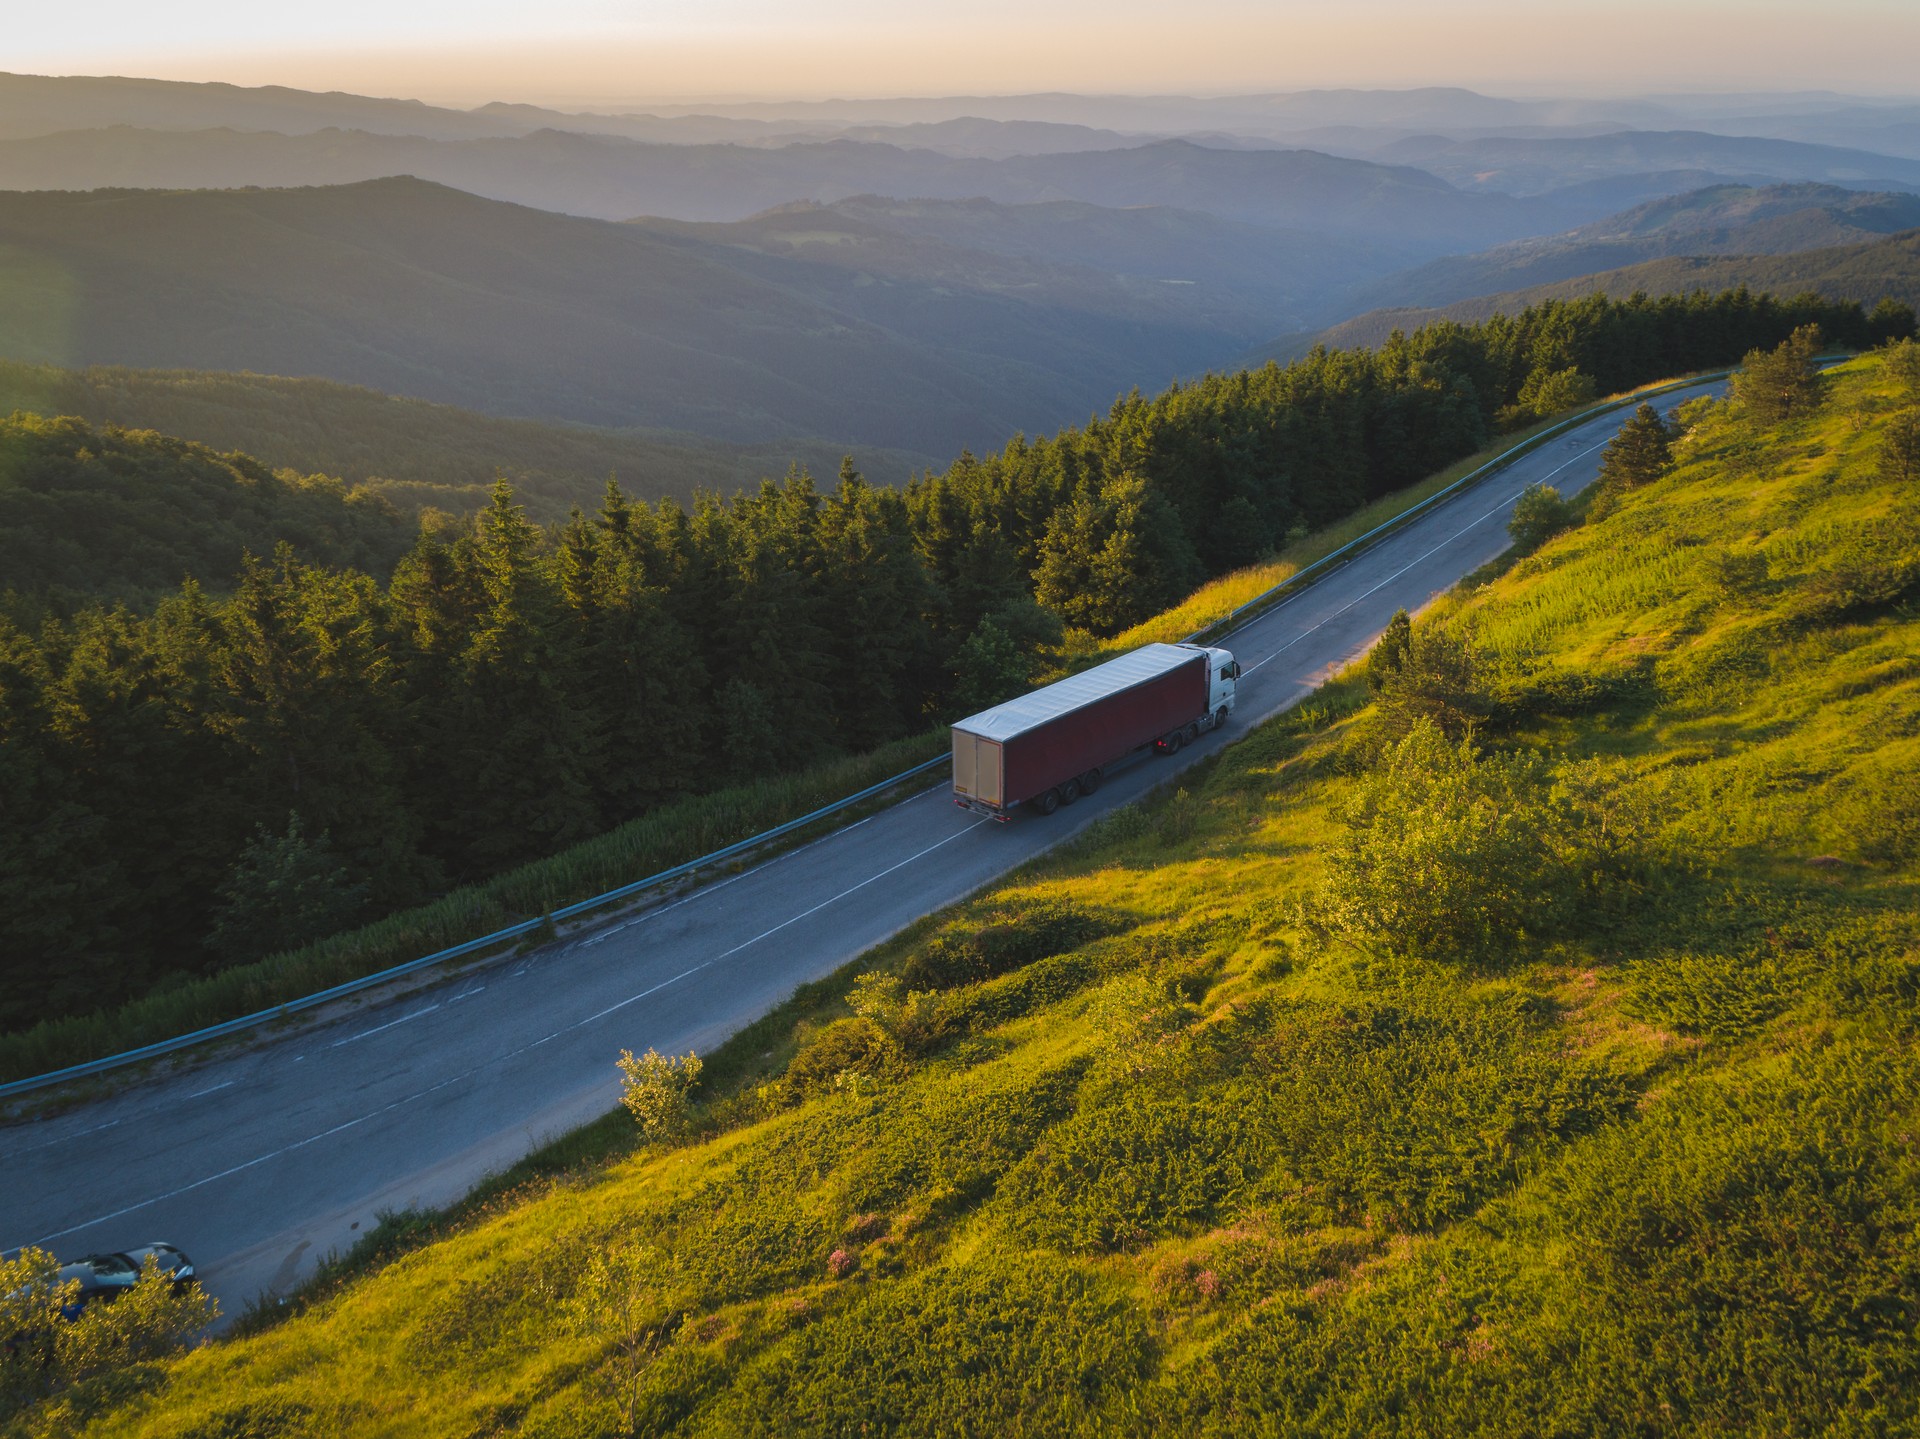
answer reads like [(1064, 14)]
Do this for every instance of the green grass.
[(1230, 1164)]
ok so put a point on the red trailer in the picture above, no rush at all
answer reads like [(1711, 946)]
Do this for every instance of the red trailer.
[(1049, 747)]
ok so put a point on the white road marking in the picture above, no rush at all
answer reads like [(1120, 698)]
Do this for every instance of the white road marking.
[(860, 886), (613, 1008), (213, 1089), (707, 889), (1420, 559), (466, 994), (418, 1013), (77, 1134)]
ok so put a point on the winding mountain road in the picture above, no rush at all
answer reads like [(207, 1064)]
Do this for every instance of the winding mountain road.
[(259, 1158)]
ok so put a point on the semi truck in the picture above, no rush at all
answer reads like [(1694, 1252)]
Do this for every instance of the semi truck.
[(1048, 748)]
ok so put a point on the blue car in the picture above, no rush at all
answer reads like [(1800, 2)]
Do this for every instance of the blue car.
[(105, 1277)]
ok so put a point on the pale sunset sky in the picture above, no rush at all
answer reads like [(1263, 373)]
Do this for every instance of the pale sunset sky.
[(618, 51)]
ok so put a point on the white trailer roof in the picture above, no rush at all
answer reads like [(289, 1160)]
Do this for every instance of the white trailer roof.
[(1017, 716)]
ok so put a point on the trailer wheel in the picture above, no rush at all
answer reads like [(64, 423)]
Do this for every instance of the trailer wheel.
[(1171, 744), (1090, 781), (1193, 731), (1046, 803), (1070, 791)]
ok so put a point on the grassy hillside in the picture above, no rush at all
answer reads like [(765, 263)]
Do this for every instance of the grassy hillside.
[(1871, 272), (1563, 1081), (415, 453)]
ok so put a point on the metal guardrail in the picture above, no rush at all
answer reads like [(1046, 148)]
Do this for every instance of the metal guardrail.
[(1245, 614), (1240, 614), (164, 1047)]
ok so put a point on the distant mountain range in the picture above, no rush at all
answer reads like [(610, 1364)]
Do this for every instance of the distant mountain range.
[(910, 276), (612, 178), (420, 290), (1527, 166), (1356, 122), (1155, 262), (1721, 220), (1881, 269)]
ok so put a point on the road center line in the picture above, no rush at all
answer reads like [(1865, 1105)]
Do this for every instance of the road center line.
[(213, 1088), (1419, 559), (853, 889), (418, 1013)]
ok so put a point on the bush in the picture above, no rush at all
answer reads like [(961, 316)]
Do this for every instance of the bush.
[(1003, 941), (1435, 682), (654, 1090), (1389, 653), (1538, 515), (847, 1046), (1445, 853), (1900, 449)]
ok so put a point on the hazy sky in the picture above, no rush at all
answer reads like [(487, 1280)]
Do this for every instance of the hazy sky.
[(601, 51)]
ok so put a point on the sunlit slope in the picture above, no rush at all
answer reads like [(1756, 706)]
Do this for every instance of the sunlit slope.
[(1367, 1085)]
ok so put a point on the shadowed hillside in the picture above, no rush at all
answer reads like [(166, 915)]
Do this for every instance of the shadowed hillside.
[(414, 453), (419, 290)]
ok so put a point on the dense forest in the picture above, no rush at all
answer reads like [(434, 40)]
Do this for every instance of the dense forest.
[(264, 756)]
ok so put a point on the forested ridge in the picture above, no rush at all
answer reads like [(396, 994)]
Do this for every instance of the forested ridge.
[(260, 758), (410, 452)]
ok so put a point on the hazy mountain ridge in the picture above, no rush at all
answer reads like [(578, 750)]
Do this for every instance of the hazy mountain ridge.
[(420, 290), (1185, 265), (1721, 220), (1530, 166), (1884, 269), (611, 178)]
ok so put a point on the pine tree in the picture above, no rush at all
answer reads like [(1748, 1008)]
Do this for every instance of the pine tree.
[(1639, 454), (286, 890), (1900, 449), (1781, 383)]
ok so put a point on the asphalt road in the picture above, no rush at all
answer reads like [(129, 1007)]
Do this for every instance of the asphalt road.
[(260, 1159)]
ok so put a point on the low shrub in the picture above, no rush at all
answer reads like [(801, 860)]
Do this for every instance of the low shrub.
[(1004, 939)]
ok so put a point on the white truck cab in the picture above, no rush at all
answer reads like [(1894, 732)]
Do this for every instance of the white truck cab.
[(1223, 672)]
